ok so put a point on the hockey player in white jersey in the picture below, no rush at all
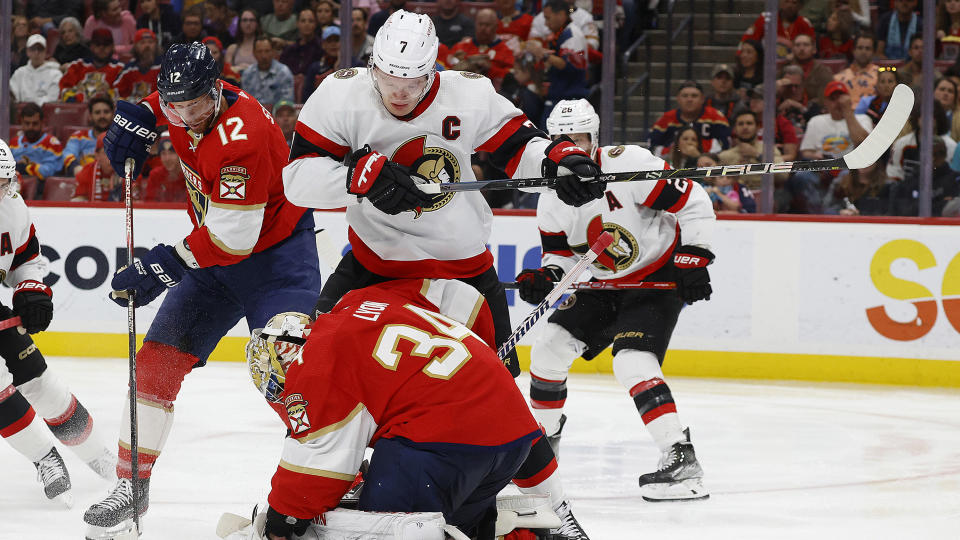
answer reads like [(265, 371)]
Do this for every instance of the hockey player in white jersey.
[(367, 136), (28, 389), (662, 232)]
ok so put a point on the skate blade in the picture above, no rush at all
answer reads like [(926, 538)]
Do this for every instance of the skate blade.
[(125, 530), (686, 490)]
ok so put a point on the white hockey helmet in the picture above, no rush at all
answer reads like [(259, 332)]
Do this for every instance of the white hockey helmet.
[(574, 116), (273, 348), (406, 46), (8, 170)]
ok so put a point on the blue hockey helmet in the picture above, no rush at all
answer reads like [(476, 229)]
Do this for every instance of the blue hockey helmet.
[(187, 72)]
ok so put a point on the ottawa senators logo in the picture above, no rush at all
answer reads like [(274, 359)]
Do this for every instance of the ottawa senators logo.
[(619, 255), (345, 73), (616, 151), (433, 164), (3, 274), (471, 75), (297, 413)]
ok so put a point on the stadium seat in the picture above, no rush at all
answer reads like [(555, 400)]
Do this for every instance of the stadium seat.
[(65, 131), (73, 114), (14, 129), (59, 188), (836, 65)]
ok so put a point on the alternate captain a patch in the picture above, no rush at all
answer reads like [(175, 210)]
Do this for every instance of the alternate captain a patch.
[(233, 182)]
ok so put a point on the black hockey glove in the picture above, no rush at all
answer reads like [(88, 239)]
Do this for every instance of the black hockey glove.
[(386, 184), (33, 303), (572, 166), (693, 279), (284, 526), (535, 284)]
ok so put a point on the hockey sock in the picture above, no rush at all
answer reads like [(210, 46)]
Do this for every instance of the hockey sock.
[(66, 417), (160, 372), (546, 400), (19, 427), (640, 373), (539, 473)]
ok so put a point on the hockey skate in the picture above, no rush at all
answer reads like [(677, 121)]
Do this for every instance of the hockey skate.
[(112, 518), (569, 528), (52, 473), (678, 478), (554, 439), (105, 465)]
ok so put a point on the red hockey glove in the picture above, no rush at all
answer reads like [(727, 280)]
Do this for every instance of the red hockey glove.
[(693, 279), (535, 284), (33, 303), (386, 184), (573, 167)]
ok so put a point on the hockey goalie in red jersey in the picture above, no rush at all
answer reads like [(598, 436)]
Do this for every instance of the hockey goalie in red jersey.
[(405, 367)]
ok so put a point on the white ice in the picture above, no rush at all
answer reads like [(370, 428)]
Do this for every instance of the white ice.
[(782, 460)]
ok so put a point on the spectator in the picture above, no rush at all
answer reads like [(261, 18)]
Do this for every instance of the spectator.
[(857, 192), (723, 97), (747, 146), (286, 116), (837, 41), (896, 29), (748, 71), (93, 75), (227, 72), (784, 133), (38, 154), (912, 71), (306, 49), (873, 106), (540, 29), (817, 12), (362, 41), (139, 77), (516, 87), (218, 20), (904, 195), (565, 57), (70, 47), (18, 45), (326, 15), (792, 99), (240, 54), (790, 24), (861, 76), (724, 190), (97, 180), (321, 68), (79, 148), (268, 80), (485, 54), (165, 183), (38, 80), (815, 74), (161, 19), (110, 15), (948, 18), (711, 126), (514, 26), (191, 29), (907, 148), (281, 23), (45, 15), (836, 132), (946, 93), (686, 148), (380, 17), (452, 26)]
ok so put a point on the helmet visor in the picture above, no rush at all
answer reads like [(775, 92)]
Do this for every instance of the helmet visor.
[(399, 92), (195, 113)]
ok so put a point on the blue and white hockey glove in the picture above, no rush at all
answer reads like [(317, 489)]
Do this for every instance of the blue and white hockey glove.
[(132, 133), (158, 270), (564, 158)]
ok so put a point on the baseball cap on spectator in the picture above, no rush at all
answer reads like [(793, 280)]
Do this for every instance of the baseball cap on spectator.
[(215, 40), (164, 142), (833, 87), (722, 68), (755, 92), (330, 31), (101, 36), (283, 104), (690, 84), (36, 39), (142, 34)]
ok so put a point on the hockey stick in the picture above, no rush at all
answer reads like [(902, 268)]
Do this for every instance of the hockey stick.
[(128, 167), (586, 259), (867, 153), (606, 285), (9, 323)]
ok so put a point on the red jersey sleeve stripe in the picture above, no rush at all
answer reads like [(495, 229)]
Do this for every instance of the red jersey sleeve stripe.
[(320, 141), (683, 198), (501, 136)]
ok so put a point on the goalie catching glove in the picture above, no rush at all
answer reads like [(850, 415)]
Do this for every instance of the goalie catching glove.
[(535, 284), (156, 271), (33, 303), (693, 279), (574, 171), (386, 184)]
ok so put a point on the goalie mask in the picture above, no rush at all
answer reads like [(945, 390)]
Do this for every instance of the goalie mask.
[(403, 63), (572, 116), (273, 348), (8, 171)]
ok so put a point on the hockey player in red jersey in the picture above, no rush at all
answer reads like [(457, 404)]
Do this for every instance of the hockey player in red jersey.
[(417, 381), (399, 122), (28, 389), (251, 253), (663, 230)]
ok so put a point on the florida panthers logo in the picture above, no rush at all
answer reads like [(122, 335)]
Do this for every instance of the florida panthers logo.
[(297, 413), (199, 201), (433, 164), (619, 255)]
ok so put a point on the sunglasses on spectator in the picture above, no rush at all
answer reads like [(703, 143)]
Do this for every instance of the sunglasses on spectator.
[(886, 68)]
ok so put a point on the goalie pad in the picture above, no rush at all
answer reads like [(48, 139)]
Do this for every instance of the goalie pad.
[(343, 524)]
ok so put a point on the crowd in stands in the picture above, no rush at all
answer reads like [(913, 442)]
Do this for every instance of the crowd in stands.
[(838, 62)]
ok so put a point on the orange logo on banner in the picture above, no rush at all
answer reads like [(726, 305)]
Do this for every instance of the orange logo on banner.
[(909, 291)]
